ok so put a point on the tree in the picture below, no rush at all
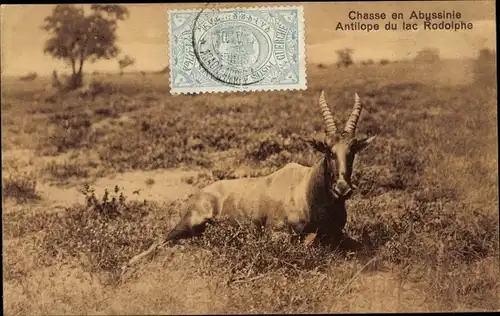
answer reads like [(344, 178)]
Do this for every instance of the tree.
[(344, 57), (76, 38), (29, 77), (485, 68), (367, 62), (428, 55), (125, 62), (164, 70)]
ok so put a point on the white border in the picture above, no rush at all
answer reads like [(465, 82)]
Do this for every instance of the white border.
[(302, 85)]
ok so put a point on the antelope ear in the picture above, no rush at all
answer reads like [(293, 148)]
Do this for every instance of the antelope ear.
[(320, 146), (362, 143)]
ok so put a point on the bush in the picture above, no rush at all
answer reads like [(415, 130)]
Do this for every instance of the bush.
[(69, 131), (103, 234), (20, 187)]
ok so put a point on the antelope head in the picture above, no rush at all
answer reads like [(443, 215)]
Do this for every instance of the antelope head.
[(340, 149)]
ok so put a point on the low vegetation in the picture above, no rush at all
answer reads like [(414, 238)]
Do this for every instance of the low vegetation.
[(66, 171), (20, 187), (427, 203)]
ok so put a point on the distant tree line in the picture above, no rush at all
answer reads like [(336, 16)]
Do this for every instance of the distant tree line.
[(345, 58)]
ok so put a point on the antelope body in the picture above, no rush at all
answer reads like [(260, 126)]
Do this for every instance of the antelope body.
[(302, 199), (292, 197)]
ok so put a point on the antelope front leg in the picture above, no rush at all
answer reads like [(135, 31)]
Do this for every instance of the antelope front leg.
[(303, 231), (309, 239), (349, 244)]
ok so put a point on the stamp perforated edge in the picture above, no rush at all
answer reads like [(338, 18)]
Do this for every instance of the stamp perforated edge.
[(229, 89)]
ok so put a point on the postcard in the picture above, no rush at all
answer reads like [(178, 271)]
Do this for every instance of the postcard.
[(236, 158)]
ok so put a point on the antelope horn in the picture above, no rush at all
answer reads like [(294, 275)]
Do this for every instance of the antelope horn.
[(350, 126), (330, 127)]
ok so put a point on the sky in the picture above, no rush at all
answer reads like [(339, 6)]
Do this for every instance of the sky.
[(145, 34)]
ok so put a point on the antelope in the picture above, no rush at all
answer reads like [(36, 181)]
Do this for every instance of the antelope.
[(305, 200)]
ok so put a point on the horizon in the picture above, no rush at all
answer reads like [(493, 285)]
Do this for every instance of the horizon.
[(157, 71), (144, 35)]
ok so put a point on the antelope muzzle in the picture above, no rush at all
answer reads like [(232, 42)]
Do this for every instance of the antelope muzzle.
[(342, 189)]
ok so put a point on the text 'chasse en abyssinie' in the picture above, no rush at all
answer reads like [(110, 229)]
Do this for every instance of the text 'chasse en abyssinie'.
[(399, 21)]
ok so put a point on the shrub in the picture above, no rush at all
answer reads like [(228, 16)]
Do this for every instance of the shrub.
[(20, 187), (70, 131), (104, 233)]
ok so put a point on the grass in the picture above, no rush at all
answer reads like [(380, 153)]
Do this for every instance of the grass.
[(66, 170), (427, 202)]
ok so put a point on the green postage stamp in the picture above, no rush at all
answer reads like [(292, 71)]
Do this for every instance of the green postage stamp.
[(237, 49)]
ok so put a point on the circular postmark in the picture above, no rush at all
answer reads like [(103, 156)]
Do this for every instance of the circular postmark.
[(231, 47)]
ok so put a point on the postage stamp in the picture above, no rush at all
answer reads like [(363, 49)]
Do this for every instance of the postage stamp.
[(237, 49)]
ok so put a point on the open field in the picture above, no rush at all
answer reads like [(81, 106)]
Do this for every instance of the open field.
[(427, 204)]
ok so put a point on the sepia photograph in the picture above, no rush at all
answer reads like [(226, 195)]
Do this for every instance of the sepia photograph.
[(249, 158)]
